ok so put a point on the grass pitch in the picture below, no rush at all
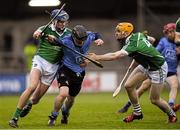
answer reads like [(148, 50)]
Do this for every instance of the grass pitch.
[(90, 111)]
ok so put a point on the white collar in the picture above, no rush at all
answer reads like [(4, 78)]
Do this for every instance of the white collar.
[(127, 39)]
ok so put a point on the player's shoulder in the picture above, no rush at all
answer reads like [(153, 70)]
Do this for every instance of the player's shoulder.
[(163, 40), (90, 33), (68, 30), (137, 35), (67, 39)]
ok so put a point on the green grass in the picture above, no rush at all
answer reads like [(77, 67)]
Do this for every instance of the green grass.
[(90, 111)]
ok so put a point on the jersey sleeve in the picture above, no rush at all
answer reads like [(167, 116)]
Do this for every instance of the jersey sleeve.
[(97, 35), (94, 35)]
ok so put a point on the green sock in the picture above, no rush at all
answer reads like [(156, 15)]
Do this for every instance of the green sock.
[(17, 113)]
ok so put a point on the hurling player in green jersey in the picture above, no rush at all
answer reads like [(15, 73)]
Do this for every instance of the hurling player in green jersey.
[(151, 65), (44, 66), (169, 50)]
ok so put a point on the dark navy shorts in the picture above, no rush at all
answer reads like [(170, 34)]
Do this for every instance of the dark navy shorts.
[(71, 79)]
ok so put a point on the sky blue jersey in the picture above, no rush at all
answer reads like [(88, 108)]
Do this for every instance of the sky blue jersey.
[(168, 50), (71, 59)]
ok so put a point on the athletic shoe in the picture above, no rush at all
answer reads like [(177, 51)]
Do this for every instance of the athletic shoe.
[(64, 119), (26, 109), (13, 123), (176, 107), (172, 119), (132, 117), (52, 120), (123, 110)]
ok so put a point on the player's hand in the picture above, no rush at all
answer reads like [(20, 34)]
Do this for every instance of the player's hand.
[(37, 35), (84, 64), (92, 56), (99, 42), (51, 38)]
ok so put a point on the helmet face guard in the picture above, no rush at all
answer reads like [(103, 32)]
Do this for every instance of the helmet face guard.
[(123, 30), (62, 17), (60, 25), (79, 34)]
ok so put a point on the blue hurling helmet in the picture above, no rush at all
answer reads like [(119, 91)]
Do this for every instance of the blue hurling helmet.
[(63, 16)]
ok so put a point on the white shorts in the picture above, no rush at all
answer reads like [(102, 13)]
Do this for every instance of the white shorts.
[(48, 70), (158, 76)]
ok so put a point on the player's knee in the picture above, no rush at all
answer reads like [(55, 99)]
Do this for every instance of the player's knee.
[(141, 91), (175, 87), (63, 94), (154, 101), (35, 100), (128, 87)]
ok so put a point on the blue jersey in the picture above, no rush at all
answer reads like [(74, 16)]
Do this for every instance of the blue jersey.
[(71, 59), (168, 50)]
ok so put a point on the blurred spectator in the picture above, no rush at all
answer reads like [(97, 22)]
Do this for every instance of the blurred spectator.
[(29, 51)]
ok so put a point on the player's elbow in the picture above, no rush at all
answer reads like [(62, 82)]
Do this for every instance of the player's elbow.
[(116, 56)]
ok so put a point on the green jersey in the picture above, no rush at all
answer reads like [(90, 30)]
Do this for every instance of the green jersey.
[(48, 51), (178, 25), (139, 48)]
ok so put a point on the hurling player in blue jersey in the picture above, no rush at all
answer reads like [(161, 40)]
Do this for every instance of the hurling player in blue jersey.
[(167, 48), (71, 74)]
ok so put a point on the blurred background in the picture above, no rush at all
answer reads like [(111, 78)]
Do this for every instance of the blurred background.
[(18, 21)]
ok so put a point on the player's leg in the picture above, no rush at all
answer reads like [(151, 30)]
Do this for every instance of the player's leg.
[(75, 83), (62, 78), (65, 109), (173, 83), (136, 76), (34, 80), (74, 89), (63, 93), (157, 81), (36, 96), (162, 104), (48, 74), (144, 86)]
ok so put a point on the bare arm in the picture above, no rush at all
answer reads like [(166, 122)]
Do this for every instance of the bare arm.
[(109, 56)]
